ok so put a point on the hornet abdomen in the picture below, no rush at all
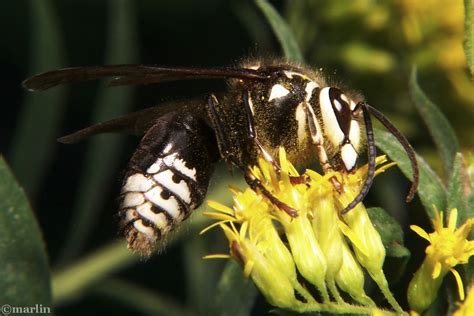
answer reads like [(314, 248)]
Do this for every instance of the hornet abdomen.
[(166, 179)]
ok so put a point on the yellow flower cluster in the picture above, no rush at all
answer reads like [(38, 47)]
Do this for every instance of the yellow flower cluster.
[(435, 31), (315, 243), (437, 24)]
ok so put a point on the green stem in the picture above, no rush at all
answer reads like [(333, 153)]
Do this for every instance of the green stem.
[(75, 279), (303, 292), (336, 308), (139, 298), (379, 278), (334, 291)]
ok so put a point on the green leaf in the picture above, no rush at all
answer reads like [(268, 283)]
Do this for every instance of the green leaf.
[(40, 116), (102, 151), (456, 196), (470, 168), (282, 31), (440, 129), (470, 197), (392, 239), (201, 275), (431, 190), (470, 206), (469, 267), (235, 294), (24, 269), (469, 34)]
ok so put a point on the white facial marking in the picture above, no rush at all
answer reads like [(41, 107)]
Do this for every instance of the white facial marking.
[(180, 165), (170, 205), (345, 98), (133, 199), (159, 220), (352, 105), (331, 126), (148, 231), (349, 156), (137, 183), (316, 136), (154, 168), (278, 91), (354, 134), (165, 178), (301, 118), (310, 86)]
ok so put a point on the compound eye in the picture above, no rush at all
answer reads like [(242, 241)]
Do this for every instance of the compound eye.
[(342, 110)]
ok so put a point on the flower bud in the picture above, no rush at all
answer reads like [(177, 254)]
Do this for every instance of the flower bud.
[(350, 278), (423, 289), (307, 253), (326, 229), (269, 279), (365, 239)]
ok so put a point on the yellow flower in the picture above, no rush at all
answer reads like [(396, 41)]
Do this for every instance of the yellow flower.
[(448, 248), (314, 248)]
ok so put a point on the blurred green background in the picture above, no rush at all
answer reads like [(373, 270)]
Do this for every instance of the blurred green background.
[(369, 46)]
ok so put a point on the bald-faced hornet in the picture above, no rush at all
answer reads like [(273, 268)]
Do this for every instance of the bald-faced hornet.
[(267, 105)]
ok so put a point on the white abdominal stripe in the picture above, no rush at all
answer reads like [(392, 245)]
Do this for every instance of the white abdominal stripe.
[(153, 203)]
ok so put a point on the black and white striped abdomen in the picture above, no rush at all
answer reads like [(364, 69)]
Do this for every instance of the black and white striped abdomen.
[(167, 178)]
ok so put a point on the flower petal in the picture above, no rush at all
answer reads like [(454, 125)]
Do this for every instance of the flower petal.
[(205, 230), (383, 168), (220, 207), (436, 270), (248, 268), (420, 231), (459, 283), (218, 256)]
